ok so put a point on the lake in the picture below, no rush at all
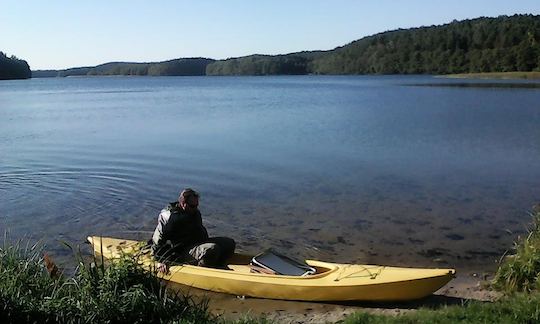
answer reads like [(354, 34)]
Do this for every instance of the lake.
[(400, 170)]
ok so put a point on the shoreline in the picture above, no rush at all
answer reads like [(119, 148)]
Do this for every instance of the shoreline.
[(495, 75), (466, 286)]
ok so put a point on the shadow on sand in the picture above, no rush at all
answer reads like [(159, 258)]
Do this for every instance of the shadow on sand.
[(233, 306)]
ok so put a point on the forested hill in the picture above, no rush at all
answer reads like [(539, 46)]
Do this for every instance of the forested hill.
[(479, 45), (178, 67), (13, 68)]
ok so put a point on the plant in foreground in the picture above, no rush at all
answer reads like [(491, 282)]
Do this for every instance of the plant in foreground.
[(520, 271), (122, 292)]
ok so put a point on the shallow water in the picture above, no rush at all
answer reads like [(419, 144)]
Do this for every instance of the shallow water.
[(349, 169)]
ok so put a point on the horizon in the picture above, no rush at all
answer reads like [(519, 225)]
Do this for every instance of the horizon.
[(71, 36)]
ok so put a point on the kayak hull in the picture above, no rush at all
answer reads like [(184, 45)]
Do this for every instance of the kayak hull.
[(332, 282)]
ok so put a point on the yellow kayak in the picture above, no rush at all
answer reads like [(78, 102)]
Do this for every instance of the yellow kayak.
[(331, 282)]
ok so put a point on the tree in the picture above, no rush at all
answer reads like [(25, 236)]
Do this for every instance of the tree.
[(13, 68)]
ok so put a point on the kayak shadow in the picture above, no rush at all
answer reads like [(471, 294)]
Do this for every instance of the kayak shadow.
[(225, 304)]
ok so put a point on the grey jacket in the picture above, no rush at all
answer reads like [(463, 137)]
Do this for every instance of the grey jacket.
[(178, 230)]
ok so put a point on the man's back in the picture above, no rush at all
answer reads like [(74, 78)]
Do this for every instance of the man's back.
[(181, 237), (177, 229)]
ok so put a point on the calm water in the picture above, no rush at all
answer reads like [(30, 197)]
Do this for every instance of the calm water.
[(352, 169)]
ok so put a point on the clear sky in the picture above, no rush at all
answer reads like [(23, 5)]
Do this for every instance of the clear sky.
[(68, 33)]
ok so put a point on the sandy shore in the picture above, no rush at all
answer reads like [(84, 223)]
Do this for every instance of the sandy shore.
[(466, 286)]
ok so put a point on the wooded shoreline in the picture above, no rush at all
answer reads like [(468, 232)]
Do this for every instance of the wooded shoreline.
[(501, 44)]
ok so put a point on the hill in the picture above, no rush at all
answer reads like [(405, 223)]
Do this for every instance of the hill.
[(292, 64), (502, 44), (177, 67), (478, 45)]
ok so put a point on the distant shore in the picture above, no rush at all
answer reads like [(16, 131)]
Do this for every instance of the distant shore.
[(495, 75)]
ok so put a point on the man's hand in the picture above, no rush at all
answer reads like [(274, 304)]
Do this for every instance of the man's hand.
[(162, 268)]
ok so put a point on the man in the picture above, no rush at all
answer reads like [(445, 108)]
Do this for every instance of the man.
[(181, 237)]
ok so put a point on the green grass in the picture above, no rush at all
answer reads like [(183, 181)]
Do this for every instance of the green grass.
[(119, 293), (520, 270), (518, 308)]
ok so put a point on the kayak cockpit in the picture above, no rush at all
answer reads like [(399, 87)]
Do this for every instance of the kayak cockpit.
[(250, 269), (275, 264)]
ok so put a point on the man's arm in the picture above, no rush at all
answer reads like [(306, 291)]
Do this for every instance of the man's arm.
[(203, 230), (163, 231), (159, 239)]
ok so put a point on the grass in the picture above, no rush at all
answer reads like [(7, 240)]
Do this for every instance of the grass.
[(496, 75), (120, 293), (519, 308), (520, 271)]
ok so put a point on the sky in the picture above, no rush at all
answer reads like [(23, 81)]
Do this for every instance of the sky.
[(58, 34)]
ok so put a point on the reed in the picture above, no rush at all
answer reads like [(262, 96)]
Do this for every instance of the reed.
[(520, 270), (121, 292)]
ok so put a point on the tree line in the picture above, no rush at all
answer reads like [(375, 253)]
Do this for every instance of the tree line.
[(177, 67), (478, 45), (13, 68), (502, 44)]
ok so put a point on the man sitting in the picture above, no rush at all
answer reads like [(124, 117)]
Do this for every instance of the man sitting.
[(180, 236)]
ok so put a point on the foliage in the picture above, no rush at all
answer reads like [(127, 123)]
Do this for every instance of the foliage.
[(79, 71), (479, 45), (13, 68), (521, 270), (120, 293), (260, 65), (177, 67), (44, 73)]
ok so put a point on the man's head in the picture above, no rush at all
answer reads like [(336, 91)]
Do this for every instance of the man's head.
[(189, 200)]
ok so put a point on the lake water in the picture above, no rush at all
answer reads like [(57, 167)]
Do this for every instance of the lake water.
[(353, 169)]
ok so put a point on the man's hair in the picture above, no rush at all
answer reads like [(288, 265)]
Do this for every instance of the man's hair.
[(187, 193)]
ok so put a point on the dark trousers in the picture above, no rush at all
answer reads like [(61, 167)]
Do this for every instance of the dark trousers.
[(213, 252)]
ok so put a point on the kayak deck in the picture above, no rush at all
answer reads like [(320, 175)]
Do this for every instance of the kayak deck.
[(331, 282)]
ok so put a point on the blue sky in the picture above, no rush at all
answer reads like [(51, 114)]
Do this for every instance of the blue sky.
[(61, 34)]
